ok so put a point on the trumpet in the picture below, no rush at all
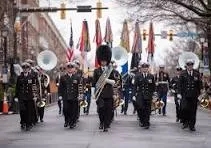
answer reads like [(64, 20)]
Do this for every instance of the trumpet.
[(82, 102), (204, 99)]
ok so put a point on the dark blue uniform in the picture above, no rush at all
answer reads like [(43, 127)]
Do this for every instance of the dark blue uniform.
[(190, 86), (144, 87)]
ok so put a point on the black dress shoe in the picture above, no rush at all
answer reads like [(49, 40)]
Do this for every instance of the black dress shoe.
[(101, 126), (141, 124), (177, 120), (146, 127), (23, 126), (105, 130), (192, 129), (65, 124), (41, 120), (184, 126)]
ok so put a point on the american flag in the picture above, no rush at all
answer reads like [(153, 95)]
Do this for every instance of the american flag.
[(69, 51)]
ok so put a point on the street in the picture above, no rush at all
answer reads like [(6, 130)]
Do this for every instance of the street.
[(124, 132)]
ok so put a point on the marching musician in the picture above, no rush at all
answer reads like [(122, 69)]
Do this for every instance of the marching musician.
[(45, 94), (118, 86), (87, 81), (127, 92), (144, 87), (25, 96), (162, 85), (174, 85), (35, 90), (62, 71), (105, 100), (78, 72), (68, 92), (190, 87)]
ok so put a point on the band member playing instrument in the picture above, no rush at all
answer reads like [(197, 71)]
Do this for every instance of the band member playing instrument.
[(45, 94), (174, 84), (144, 86), (87, 81), (25, 96), (162, 82), (103, 78), (35, 90), (62, 72), (79, 73), (190, 87), (117, 88), (127, 92), (68, 92)]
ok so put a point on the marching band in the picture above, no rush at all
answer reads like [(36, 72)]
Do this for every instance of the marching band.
[(110, 89)]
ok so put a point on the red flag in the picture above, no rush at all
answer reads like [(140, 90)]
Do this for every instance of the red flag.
[(108, 38), (97, 38), (151, 46), (85, 40)]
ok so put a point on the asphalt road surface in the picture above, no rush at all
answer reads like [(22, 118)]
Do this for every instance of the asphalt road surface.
[(124, 132)]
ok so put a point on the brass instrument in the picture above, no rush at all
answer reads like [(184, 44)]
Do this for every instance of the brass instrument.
[(157, 103), (204, 99), (46, 60), (82, 102), (116, 96), (101, 82)]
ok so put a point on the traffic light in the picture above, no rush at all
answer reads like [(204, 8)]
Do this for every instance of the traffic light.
[(171, 33), (63, 13), (99, 11), (144, 34)]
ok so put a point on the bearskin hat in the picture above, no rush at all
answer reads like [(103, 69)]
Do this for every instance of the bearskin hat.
[(103, 53)]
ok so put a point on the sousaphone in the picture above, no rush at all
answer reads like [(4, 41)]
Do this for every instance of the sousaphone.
[(186, 56)]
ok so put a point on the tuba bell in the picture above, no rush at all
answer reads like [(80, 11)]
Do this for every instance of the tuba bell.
[(188, 55), (119, 55), (47, 60)]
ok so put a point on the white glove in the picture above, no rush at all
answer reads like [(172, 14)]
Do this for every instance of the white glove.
[(134, 98), (35, 98), (49, 94), (172, 90), (156, 83), (16, 99), (109, 81), (92, 90), (60, 97), (179, 96), (57, 84)]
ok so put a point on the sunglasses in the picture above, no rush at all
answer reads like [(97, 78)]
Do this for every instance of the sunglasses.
[(70, 66), (24, 67), (189, 64), (144, 66)]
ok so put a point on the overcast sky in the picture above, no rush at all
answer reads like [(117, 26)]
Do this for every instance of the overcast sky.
[(116, 15)]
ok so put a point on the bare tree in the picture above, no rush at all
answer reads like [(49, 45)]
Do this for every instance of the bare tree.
[(174, 12)]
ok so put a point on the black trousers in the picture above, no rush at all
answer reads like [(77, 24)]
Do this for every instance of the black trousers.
[(70, 111), (105, 112), (41, 112), (26, 112), (177, 104), (60, 105), (144, 111), (188, 111)]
